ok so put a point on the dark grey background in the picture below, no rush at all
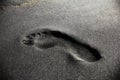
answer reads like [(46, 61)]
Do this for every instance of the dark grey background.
[(96, 22)]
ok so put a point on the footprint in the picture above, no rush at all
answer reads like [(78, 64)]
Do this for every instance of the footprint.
[(45, 39)]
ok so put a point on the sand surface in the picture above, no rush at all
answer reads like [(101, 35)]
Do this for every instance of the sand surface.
[(59, 40)]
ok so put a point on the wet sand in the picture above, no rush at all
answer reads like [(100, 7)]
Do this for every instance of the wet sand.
[(60, 40)]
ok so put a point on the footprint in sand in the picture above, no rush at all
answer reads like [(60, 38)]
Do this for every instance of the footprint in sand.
[(45, 39)]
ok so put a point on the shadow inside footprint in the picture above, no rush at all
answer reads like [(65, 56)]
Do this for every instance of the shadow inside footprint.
[(80, 49), (45, 38)]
